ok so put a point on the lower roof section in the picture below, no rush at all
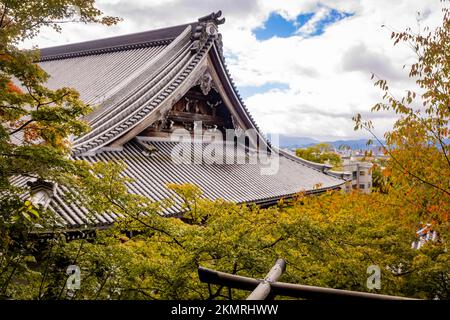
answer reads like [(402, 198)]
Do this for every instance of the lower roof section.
[(223, 172), (231, 176), (154, 164)]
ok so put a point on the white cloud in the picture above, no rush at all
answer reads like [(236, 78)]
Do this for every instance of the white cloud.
[(328, 75), (311, 26)]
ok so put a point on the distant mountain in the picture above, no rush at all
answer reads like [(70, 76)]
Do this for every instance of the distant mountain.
[(286, 141), (292, 142), (360, 144)]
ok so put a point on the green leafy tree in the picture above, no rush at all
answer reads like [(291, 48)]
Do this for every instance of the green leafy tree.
[(35, 123), (380, 182), (328, 240), (419, 166), (320, 153)]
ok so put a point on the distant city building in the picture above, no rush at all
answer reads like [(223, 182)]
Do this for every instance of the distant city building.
[(361, 173)]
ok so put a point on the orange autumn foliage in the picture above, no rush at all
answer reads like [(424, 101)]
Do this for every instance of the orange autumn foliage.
[(11, 87)]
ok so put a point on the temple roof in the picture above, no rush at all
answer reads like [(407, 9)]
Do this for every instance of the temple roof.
[(113, 44), (132, 81), (126, 85), (235, 182), (128, 77)]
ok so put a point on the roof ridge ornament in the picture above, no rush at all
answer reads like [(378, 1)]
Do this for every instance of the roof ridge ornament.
[(205, 82), (207, 27), (213, 17)]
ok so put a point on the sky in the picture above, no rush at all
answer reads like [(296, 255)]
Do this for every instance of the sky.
[(303, 67)]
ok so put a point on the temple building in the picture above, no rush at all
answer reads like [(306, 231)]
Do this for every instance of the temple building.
[(146, 87)]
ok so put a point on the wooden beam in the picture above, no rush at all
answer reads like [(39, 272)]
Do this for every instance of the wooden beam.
[(288, 289), (263, 289), (197, 95), (191, 117), (223, 95)]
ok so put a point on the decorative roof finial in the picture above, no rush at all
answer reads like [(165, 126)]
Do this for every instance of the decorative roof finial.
[(206, 28), (213, 17)]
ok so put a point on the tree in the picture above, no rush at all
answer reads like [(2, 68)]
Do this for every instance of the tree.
[(419, 166), (320, 153), (36, 121), (380, 182), (328, 241), (35, 124)]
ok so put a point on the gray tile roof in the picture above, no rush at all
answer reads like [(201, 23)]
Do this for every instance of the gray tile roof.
[(233, 182), (125, 42), (97, 77), (240, 183), (130, 78)]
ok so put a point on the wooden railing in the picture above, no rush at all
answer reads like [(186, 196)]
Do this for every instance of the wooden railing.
[(268, 287)]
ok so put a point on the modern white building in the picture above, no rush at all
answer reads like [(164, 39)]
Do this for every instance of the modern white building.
[(361, 174)]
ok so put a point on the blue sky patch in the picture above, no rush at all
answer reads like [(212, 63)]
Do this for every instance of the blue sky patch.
[(333, 17), (247, 91), (277, 26), (302, 19)]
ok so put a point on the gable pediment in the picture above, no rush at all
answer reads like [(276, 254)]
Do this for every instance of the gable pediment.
[(136, 80), (204, 99)]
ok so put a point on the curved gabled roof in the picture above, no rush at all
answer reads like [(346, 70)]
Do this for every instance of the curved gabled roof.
[(126, 84), (132, 80), (129, 76)]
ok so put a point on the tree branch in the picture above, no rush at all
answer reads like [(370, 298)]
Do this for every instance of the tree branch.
[(402, 167), (21, 127), (5, 11)]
